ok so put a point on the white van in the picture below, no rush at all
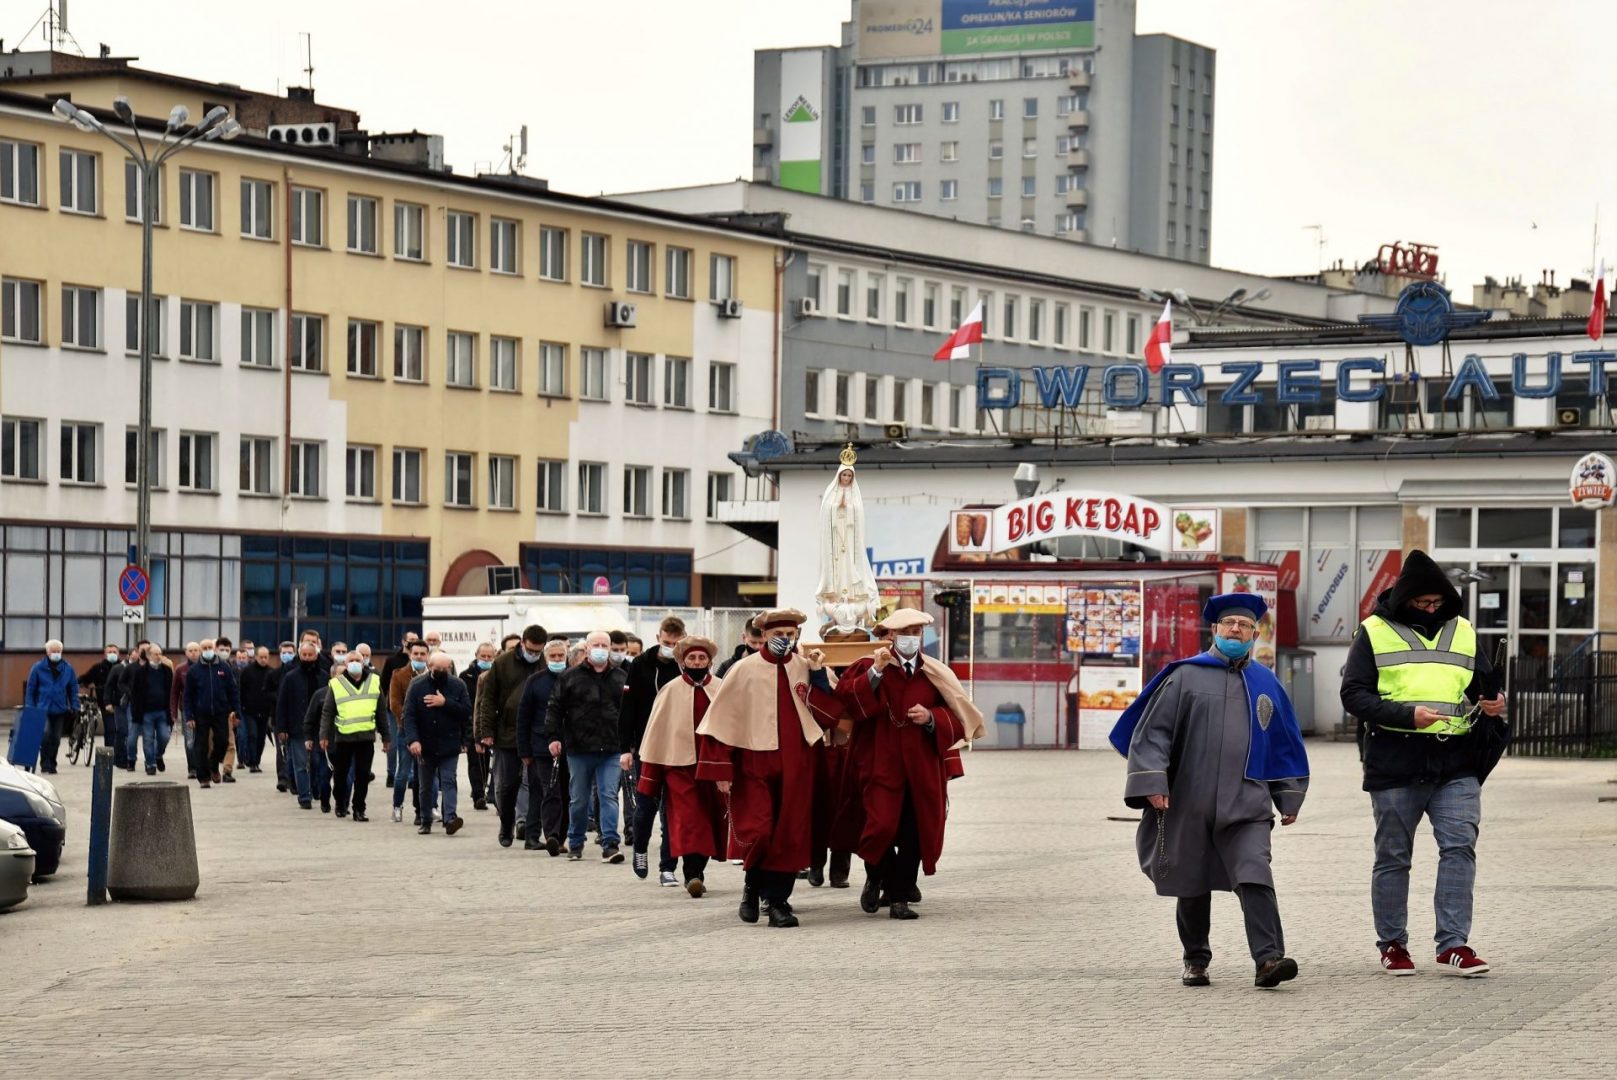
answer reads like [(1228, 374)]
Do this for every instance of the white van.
[(464, 622)]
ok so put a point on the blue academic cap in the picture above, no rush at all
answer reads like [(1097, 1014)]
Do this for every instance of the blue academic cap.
[(1241, 602)]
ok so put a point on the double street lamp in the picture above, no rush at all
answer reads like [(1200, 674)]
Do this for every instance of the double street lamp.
[(1235, 299), (149, 158)]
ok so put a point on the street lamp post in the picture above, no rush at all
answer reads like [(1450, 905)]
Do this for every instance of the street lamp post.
[(216, 125)]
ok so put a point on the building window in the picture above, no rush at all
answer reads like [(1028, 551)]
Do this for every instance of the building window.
[(78, 182), (502, 363), (308, 217), (721, 383), (638, 266), (132, 323), (867, 193), (676, 382), (1063, 313), (1030, 108), (901, 300), (637, 378), (929, 394), (949, 151), (552, 253), (258, 337), (907, 153), (1035, 320), (308, 469), (1030, 187), (813, 284), (677, 279), (591, 487), (407, 478), (552, 369), (844, 395), (362, 226), (1030, 149), (257, 208), (458, 469), (154, 445), (996, 187), (19, 448), (362, 344), (677, 494), (908, 191), (409, 353), (19, 173), (996, 109), (661, 577), (996, 149), (867, 116), (21, 317), (198, 322), (1108, 333), (196, 200), (592, 259), (951, 112), (460, 359), (867, 154), (257, 465), (719, 486), (134, 207), (636, 491), (906, 115), (1203, 239), (721, 277), (929, 304), (461, 239), (873, 296), (957, 304), (1008, 327), (361, 473), (79, 452), (81, 317), (196, 461), (957, 407), (811, 392), (592, 374), (502, 482), (409, 231), (900, 400), (845, 293), (502, 245), (872, 399), (551, 497)]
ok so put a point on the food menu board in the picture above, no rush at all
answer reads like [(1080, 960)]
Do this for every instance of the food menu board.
[(1103, 619), (1017, 597), (1103, 693)]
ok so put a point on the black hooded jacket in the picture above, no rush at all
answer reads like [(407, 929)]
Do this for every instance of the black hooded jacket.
[(1391, 758)]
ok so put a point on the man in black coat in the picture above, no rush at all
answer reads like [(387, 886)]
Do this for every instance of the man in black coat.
[(477, 758), (397, 661), (582, 720), (751, 641), (648, 673), (436, 728), (547, 775), (258, 685), (299, 682)]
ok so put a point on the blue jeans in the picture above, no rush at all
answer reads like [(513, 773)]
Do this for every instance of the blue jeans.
[(437, 774), (306, 762), (403, 773), (132, 730), (395, 752), (1455, 811), (154, 731), (599, 772), (115, 733)]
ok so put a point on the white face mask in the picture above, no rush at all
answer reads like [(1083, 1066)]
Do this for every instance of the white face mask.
[(907, 645), (354, 668), (665, 651), (112, 658)]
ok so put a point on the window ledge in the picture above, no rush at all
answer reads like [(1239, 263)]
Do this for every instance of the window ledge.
[(306, 498), (592, 513), (257, 495), (362, 376), (679, 408), (322, 372), (309, 247), (504, 273), (460, 266), (18, 342), (553, 280), (503, 510), (671, 296), (460, 386), (39, 481), (197, 231), (359, 501), (411, 259), (553, 397), (596, 285), (198, 491), (545, 511), (366, 254), (409, 382), (82, 484), (505, 390), (463, 507), (597, 400), (252, 236), (408, 504), (83, 349), (23, 205), (195, 360)]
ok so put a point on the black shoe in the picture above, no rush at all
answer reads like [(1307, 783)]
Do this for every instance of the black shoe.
[(359, 815), (342, 811), (372, 779), (203, 784), (389, 779), (840, 862), (151, 770), (628, 835), (749, 905), (802, 875), (160, 766), (254, 769), (190, 774), (780, 914), (426, 828), (302, 805), (1195, 975), (870, 895), (281, 786), (522, 830), (901, 910), (325, 804), (1272, 973), (915, 894), (505, 839), (452, 826), (479, 804), (575, 854), (553, 845), (530, 844), (612, 855), (227, 778), (816, 876)]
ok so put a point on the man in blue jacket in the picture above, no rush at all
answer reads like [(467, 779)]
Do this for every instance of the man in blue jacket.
[(436, 729), (211, 699), (54, 687)]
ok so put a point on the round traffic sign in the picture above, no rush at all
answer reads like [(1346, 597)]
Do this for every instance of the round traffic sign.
[(133, 585)]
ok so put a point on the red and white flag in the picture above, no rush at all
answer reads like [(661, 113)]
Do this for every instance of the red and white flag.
[(1597, 310), (1159, 346), (970, 333)]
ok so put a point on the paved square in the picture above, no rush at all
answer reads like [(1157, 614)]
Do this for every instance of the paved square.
[(323, 947)]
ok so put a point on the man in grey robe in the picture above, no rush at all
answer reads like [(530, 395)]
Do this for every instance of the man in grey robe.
[(1207, 822)]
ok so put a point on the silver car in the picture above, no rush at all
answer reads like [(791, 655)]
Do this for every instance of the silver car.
[(16, 865)]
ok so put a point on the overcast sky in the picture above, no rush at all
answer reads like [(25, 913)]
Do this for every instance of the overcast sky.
[(1460, 124)]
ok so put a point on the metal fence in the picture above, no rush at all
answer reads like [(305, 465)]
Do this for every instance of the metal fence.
[(1565, 708), (722, 625)]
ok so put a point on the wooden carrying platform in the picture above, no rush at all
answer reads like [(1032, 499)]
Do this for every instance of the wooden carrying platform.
[(840, 654)]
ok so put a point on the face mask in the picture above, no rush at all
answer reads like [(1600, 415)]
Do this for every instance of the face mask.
[(339, 658), (240, 664), (484, 665), (354, 668), (557, 666), (780, 646), (112, 658), (439, 678), (1231, 649), (531, 657), (665, 651), (53, 657), (1429, 623), (599, 656), (207, 656), (907, 645), (696, 674), (619, 657), (418, 665), (286, 658)]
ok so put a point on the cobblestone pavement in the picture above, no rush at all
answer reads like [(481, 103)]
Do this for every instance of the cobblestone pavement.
[(323, 947)]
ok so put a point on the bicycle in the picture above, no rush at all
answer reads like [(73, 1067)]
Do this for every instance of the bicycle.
[(87, 726)]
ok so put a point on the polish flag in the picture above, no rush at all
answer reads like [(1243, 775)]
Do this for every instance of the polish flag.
[(1597, 311), (1159, 346), (958, 347)]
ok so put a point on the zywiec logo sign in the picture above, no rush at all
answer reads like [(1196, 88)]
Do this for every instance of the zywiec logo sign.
[(1079, 513), (1594, 481)]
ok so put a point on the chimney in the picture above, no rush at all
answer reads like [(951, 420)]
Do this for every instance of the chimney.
[(300, 93)]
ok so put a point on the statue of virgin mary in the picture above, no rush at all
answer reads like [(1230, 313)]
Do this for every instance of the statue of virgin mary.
[(846, 596)]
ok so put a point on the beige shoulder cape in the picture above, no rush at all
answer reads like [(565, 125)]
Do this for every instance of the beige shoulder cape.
[(965, 710), (742, 713), (670, 737)]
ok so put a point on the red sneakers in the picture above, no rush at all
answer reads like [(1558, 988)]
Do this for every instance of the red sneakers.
[(1395, 960), (1461, 961)]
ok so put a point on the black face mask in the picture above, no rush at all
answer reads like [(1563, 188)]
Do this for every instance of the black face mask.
[(439, 678), (309, 665), (695, 674), (1429, 623)]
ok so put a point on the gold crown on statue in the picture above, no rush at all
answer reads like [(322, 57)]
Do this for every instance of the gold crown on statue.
[(848, 457)]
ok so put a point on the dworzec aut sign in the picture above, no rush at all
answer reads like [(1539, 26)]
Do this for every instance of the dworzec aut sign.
[(1063, 513)]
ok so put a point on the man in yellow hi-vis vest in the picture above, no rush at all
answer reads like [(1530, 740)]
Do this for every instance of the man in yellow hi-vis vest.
[(1413, 676), (349, 720)]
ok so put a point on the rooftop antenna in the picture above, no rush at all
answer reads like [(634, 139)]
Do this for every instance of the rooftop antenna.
[(515, 161), (308, 55), (1319, 240), (54, 22)]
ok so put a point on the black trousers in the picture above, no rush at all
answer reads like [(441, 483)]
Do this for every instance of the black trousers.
[(351, 772), (477, 762), (695, 866), (647, 810), (208, 748), (1259, 908), (56, 725), (772, 885), (901, 866), (508, 774), (547, 798)]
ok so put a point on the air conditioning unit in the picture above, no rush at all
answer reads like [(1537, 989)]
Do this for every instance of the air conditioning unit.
[(807, 307), (1569, 417), (503, 579), (897, 432), (1319, 423), (619, 314), (304, 134), (730, 309)]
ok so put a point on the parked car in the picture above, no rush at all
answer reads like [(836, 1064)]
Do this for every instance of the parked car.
[(16, 865), (30, 803)]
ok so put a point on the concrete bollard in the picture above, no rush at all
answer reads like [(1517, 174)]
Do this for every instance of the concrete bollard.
[(154, 847)]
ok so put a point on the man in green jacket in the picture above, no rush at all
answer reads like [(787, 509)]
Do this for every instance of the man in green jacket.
[(499, 696)]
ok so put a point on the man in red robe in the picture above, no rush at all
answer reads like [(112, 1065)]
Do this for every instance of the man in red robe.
[(697, 824), (764, 727), (910, 714)]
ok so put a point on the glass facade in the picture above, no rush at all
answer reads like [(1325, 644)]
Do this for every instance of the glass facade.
[(648, 577), (357, 590)]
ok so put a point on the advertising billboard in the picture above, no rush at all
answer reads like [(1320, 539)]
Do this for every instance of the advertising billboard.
[(894, 29), (802, 103)]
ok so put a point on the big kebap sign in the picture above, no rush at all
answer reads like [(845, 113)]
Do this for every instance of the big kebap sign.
[(1063, 513)]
